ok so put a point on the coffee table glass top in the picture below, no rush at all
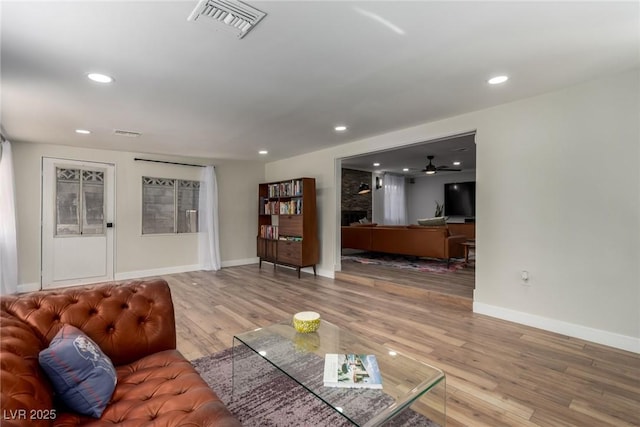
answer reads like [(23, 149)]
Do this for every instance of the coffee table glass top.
[(301, 357)]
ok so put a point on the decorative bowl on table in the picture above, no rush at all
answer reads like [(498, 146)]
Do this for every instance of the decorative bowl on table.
[(306, 321)]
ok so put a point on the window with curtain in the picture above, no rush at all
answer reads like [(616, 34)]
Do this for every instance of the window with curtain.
[(169, 205), (395, 201)]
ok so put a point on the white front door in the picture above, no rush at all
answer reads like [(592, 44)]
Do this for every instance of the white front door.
[(77, 222)]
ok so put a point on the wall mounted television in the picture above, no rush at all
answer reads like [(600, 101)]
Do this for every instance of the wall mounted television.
[(460, 199)]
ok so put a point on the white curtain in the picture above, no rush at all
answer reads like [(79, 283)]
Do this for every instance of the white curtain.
[(8, 236), (208, 236), (395, 201)]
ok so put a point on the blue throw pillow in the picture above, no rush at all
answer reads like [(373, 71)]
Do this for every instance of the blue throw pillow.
[(82, 375)]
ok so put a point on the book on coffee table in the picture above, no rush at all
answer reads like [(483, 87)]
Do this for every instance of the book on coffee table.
[(351, 371)]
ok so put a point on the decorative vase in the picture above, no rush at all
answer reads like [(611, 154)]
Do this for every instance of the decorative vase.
[(439, 209)]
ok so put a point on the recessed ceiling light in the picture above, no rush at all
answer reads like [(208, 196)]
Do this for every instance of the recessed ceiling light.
[(405, 169), (263, 152), (100, 78), (376, 164), (340, 128), (456, 163), (83, 131), (498, 79)]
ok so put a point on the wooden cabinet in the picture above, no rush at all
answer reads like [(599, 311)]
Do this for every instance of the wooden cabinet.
[(290, 252), (288, 224)]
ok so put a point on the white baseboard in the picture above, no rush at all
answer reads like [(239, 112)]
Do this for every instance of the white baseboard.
[(599, 336), (28, 287), (325, 273), (237, 262), (179, 269), (128, 275)]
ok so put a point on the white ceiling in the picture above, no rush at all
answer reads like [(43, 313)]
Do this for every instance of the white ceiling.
[(461, 148), (375, 66)]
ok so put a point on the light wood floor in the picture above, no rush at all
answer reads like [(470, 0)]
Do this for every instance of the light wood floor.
[(454, 287), (498, 373)]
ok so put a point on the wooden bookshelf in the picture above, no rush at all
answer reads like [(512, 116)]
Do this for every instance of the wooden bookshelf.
[(288, 223)]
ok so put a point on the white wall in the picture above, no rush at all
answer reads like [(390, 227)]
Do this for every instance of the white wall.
[(429, 189), (557, 194), (138, 255)]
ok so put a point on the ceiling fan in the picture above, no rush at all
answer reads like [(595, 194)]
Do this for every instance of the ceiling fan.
[(431, 169)]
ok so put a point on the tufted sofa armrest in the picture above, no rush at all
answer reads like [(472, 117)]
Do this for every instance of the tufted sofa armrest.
[(454, 247), (127, 320), (22, 382)]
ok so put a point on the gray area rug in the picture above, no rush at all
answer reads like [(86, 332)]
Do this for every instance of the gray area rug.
[(271, 398)]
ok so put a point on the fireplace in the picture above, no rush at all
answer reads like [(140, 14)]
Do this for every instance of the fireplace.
[(352, 216)]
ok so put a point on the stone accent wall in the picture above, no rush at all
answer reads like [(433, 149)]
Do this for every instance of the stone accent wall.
[(351, 200)]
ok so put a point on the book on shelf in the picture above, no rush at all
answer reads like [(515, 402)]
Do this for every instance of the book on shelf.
[(293, 207), (291, 238), (270, 208), (273, 190), (351, 371), (290, 188), (269, 231)]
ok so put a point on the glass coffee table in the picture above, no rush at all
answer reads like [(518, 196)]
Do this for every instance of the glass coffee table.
[(406, 382)]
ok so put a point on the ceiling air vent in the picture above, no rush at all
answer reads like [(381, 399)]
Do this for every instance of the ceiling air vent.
[(127, 133), (234, 15)]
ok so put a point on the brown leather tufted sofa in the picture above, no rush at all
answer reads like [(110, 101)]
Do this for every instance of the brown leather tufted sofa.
[(133, 322)]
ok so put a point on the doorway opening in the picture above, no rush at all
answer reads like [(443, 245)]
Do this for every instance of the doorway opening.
[(454, 160)]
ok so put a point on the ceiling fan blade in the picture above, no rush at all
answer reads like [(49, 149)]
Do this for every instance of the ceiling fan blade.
[(447, 169)]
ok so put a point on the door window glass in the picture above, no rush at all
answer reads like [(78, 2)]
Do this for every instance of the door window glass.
[(93, 206), (67, 201), (79, 202)]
